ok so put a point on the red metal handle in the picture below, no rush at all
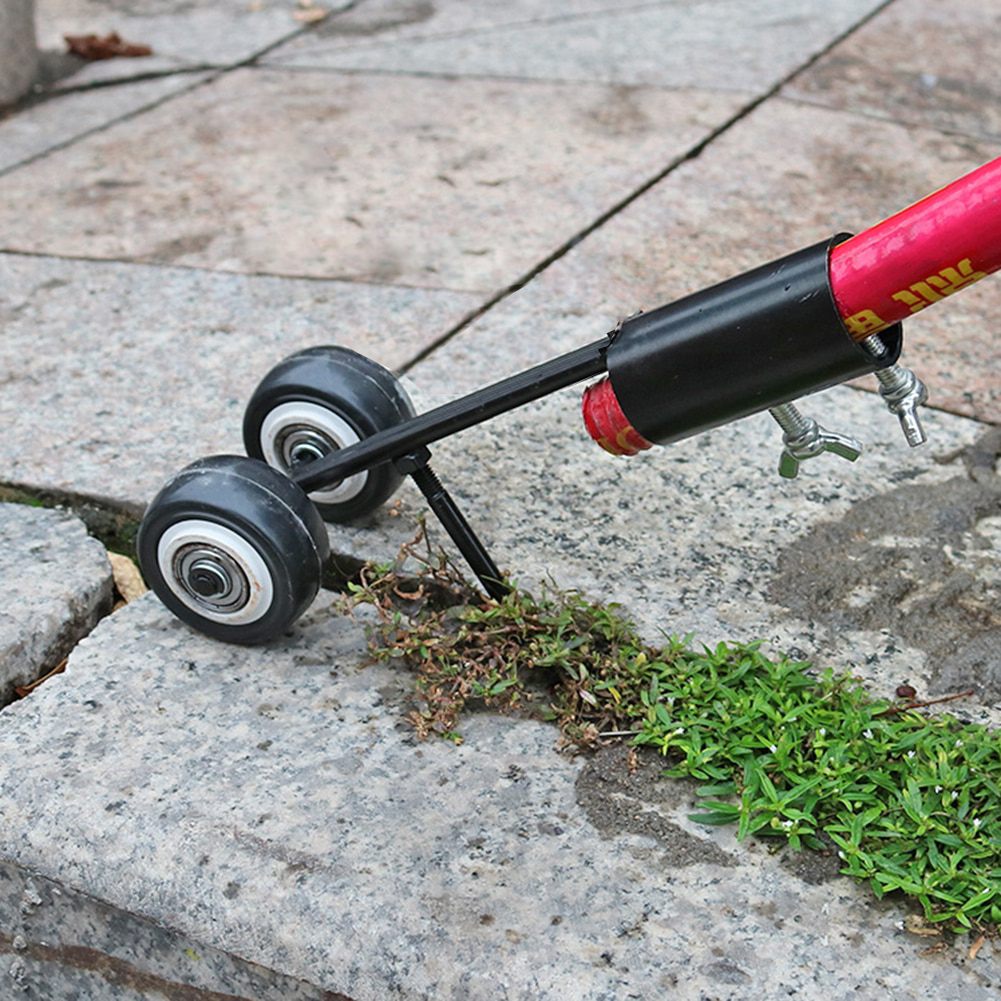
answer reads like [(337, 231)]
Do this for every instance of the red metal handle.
[(935, 247)]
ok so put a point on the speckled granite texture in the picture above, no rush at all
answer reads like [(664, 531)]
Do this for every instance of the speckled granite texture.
[(57, 943), (271, 804), (56, 583), (462, 188)]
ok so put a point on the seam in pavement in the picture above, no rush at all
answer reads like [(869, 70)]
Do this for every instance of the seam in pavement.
[(693, 153), (490, 29)]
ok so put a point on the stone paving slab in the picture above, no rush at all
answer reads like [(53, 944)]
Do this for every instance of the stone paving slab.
[(723, 44), (270, 803), (59, 121), (182, 35), (459, 184), (56, 582), (56, 942), (396, 20), (787, 176), (938, 76), (510, 871), (116, 375)]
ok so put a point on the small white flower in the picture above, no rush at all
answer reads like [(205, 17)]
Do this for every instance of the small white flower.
[(976, 823), (822, 732), (911, 754), (938, 788), (867, 734), (841, 854), (773, 748), (959, 743), (955, 794), (787, 824)]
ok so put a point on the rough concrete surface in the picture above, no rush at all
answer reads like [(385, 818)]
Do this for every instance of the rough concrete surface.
[(460, 190), (56, 583), (383, 179), (369, 864)]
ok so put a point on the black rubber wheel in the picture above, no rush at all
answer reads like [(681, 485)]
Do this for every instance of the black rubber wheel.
[(233, 548), (320, 400)]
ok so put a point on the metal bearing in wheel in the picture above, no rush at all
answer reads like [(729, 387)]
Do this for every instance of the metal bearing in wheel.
[(319, 400)]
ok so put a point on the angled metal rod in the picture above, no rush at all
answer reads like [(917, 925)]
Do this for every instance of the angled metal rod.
[(454, 522), (479, 406)]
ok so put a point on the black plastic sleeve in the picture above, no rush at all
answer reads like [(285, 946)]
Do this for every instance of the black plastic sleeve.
[(755, 341)]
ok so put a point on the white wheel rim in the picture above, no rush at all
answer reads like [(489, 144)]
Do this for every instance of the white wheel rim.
[(197, 535), (289, 417)]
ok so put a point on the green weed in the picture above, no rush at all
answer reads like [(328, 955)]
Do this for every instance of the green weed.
[(909, 801)]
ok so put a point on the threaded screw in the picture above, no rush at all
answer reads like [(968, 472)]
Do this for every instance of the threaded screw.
[(804, 438), (902, 391)]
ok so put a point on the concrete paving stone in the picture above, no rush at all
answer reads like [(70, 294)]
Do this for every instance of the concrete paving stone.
[(270, 804), (938, 75), (59, 121), (116, 375), (182, 34), (435, 183), (715, 45), (56, 582), (786, 177)]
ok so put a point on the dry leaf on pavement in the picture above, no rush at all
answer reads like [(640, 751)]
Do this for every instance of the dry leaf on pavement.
[(95, 47), (128, 580)]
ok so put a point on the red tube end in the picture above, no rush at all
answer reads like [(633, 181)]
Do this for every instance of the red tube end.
[(607, 424)]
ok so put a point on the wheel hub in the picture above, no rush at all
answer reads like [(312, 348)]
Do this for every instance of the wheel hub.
[(211, 577), (298, 445)]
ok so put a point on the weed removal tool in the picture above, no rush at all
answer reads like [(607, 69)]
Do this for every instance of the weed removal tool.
[(235, 545)]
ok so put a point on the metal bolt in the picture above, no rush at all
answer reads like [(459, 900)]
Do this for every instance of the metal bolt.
[(212, 577), (208, 579), (804, 438), (903, 392)]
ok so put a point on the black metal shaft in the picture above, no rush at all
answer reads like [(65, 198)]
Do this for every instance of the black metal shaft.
[(479, 406), (453, 521)]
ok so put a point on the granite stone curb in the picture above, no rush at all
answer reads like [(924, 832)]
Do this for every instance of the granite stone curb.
[(272, 804), (57, 584), (58, 943)]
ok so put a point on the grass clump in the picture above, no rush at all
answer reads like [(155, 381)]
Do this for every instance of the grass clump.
[(909, 801)]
